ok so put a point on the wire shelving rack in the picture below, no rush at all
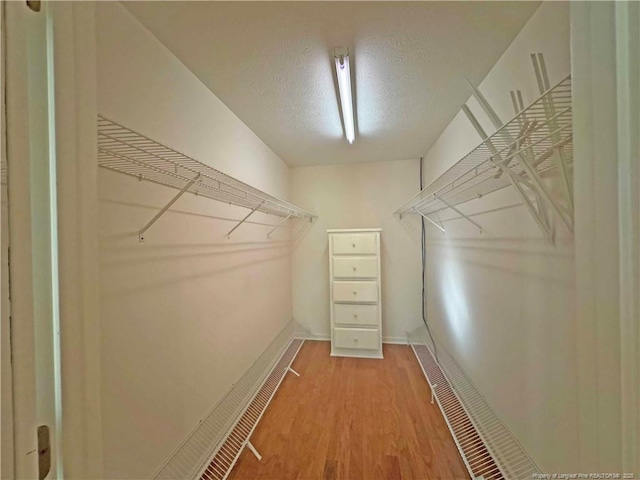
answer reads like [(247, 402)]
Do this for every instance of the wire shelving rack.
[(126, 151), (520, 153)]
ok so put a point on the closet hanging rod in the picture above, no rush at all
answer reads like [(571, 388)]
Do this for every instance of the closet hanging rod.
[(126, 151)]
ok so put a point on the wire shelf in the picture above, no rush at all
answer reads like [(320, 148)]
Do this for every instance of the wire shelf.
[(540, 133), (488, 447), (126, 151), (212, 448)]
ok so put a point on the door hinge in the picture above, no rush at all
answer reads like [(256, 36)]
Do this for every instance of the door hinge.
[(35, 5)]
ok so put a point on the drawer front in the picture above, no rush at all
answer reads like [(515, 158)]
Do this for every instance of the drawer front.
[(353, 267), (355, 243), (359, 338), (355, 292), (366, 315)]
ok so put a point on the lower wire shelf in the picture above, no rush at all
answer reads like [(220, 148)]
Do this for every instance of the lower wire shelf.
[(212, 448), (488, 449), (227, 455)]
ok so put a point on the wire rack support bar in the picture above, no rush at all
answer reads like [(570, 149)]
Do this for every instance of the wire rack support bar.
[(460, 213), (491, 113), (244, 219), (166, 207), (542, 77), (544, 191), (438, 226), (278, 226), (253, 450), (540, 188), (532, 209)]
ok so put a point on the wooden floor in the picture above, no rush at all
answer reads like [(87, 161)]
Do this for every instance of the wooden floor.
[(352, 419)]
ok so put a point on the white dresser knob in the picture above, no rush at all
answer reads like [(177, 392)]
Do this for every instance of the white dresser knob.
[(355, 293)]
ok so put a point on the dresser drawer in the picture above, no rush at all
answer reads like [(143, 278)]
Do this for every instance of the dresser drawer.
[(359, 338), (356, 243), (345, 314), (354, 267), (355, 292)]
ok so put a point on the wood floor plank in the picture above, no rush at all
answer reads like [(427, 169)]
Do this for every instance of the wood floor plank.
[(352, 419)]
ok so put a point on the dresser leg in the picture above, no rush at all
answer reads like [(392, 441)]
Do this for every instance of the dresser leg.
[(293, 371)]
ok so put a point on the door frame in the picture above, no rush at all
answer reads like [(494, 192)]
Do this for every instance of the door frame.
[(20, 262), (74, 63), (605, 49), (75, 53), (628, 95), (6, 381)]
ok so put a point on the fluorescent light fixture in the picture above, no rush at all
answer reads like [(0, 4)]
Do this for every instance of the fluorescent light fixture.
[(344, 86)]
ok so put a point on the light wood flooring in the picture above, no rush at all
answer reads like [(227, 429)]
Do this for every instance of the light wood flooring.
[(352, 419)]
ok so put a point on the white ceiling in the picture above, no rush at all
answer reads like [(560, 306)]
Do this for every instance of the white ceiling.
[(271, 64)]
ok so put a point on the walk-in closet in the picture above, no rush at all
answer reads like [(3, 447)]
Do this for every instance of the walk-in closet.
[(345, 240)]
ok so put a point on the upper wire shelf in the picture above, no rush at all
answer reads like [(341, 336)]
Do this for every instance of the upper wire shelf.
[(126, 151), (537, 134)]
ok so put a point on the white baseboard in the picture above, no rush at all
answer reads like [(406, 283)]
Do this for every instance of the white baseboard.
[(325, 337), (395, 340)]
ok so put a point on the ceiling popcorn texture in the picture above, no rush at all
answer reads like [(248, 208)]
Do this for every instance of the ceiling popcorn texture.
[(271, 64)]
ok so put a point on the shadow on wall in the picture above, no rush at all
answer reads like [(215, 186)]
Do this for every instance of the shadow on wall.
[(165, 271), (174, 253), (124, 255), (532, 258), (298, 231), (153, 209), (510, 240), (412, 225)]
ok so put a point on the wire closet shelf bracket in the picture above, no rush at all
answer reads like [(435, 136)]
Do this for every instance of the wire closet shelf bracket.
[(520, 153), (125, 151)]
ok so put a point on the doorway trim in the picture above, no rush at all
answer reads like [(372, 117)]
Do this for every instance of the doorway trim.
[(605, 49)]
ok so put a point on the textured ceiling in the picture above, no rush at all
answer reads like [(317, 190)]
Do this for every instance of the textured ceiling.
[(271, 64)]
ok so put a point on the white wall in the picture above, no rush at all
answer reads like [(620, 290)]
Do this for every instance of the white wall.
[(184, 314), (357, 196), (502, 302)]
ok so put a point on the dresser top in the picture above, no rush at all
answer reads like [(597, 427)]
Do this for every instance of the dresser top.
[(356, 230)]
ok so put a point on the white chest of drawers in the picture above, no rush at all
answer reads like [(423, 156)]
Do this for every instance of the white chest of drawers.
[(355, 293)]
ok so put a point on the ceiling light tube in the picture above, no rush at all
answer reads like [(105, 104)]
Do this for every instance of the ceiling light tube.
[(344, 86)]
